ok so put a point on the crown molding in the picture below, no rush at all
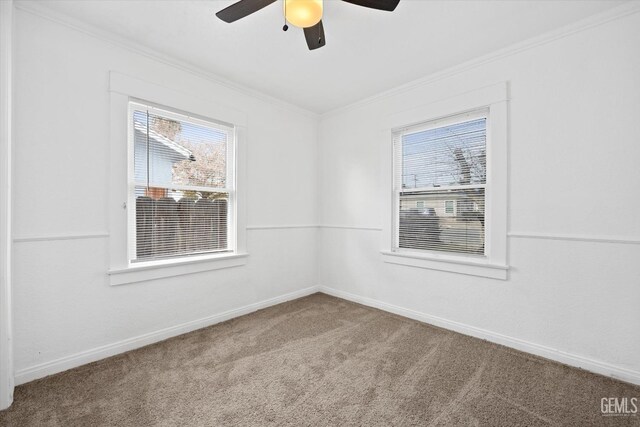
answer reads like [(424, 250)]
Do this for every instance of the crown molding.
[(626, 9), (38, 9)]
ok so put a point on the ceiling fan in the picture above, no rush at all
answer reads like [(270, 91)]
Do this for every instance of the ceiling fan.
[(306, 14)]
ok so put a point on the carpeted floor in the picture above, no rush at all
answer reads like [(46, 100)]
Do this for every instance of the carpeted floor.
[(319, 361)]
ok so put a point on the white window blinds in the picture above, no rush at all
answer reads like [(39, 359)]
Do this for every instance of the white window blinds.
[(440, 177), (182, 186)]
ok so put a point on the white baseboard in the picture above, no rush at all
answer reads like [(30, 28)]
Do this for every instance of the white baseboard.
[(575, 360), (72, 361)]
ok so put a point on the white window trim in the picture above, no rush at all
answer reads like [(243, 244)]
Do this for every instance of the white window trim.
[(230, 189), (494, 264), (123, 89)]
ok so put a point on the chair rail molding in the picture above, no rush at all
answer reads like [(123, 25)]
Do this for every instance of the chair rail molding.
[(575, 237), (62, 236)]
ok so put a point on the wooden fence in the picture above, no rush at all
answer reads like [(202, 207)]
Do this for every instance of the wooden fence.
[(166, 227)]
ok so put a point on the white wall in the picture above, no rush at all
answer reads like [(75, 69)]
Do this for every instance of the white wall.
[(574, 173), (65, 311), (575, 232)]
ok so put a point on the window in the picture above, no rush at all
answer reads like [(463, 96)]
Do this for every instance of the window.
[(448, 207), (192, 216), (451, 150), (442, 165), (181, 185)]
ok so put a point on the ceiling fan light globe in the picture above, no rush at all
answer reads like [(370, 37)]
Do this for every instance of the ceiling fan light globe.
[(303, 13)]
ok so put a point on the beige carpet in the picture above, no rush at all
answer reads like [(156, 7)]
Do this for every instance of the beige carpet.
[(319, 361)]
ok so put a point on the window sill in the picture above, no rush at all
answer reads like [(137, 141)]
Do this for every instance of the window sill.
[(172, 268), (451, 264)]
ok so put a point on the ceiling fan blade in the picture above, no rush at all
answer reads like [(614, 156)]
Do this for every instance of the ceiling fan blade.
[(315, 36), (241, 9), (388, 5)]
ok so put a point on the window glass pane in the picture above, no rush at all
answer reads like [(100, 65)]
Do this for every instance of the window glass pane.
[(448, 207), (177, 223), (170, 152), (181, 185), (425, 223), (445, 156)]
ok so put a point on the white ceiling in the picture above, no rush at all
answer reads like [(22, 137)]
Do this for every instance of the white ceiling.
[(367, 51)]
